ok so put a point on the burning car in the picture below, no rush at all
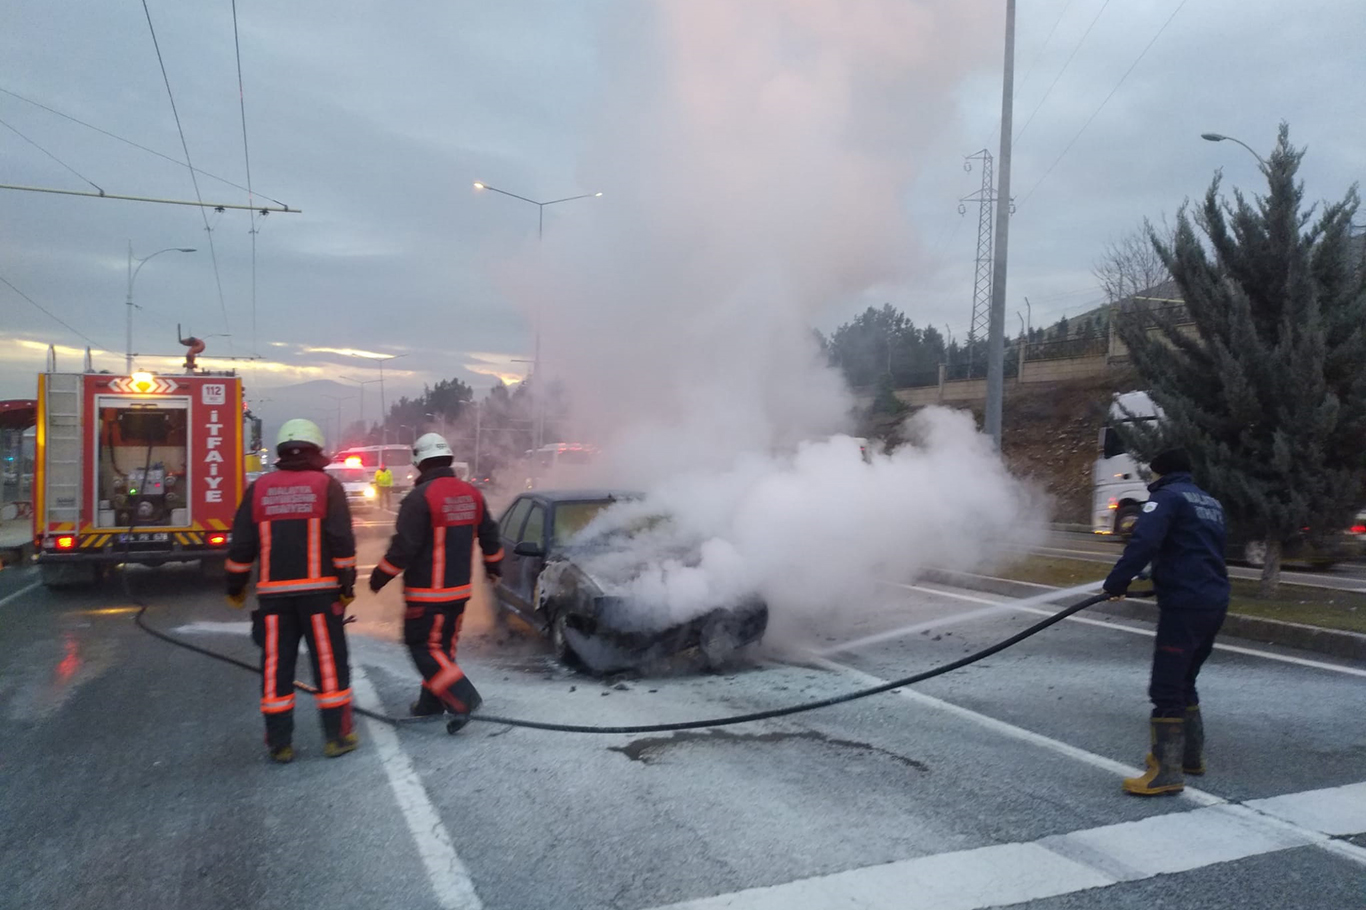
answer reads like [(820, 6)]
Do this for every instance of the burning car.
[(591, 586)]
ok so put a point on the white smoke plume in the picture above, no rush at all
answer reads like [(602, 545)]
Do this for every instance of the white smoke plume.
[(754, 159)]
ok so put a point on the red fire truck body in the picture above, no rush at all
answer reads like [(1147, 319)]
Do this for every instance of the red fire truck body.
[(141, 469)]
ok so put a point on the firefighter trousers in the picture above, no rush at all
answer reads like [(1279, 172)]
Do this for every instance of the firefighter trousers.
[(431, 632), (1185, 639), (276, 627)]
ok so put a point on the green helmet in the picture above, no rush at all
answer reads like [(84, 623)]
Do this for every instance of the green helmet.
[(299, 431)]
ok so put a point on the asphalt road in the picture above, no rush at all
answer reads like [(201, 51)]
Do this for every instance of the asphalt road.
[(1347, 576), (134, 774)]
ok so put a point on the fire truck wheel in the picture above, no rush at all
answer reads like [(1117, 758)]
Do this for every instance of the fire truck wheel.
[(212, 569), (59, 577)]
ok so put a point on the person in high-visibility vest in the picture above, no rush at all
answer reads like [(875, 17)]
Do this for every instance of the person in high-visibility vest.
[(384, 485)]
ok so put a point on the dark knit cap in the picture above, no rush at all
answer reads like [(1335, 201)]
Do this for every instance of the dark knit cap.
[(1172, 461)]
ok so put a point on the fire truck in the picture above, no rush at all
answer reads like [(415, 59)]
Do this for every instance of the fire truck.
[(143, 469)]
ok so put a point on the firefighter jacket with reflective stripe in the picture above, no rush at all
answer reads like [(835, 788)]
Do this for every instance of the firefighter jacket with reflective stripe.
[(438, 525), (298, 524)]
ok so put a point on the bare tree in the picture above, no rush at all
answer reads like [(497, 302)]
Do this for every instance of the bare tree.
[(1131, 265)]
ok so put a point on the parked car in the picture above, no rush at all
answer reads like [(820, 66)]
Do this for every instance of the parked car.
[(358, 484), (574, 586)]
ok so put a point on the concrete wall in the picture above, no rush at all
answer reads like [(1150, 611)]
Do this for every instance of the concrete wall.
[(1065, 368)]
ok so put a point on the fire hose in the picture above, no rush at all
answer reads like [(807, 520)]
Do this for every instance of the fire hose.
[(727, 721)]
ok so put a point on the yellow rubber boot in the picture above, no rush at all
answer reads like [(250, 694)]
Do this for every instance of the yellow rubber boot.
[(1163, 775), (347, 742)]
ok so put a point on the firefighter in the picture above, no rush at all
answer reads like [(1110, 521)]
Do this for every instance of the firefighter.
[(438, 526), (296, 522), (1181, 532), (384, 484)]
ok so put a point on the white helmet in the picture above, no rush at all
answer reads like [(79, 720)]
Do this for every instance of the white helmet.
[(431, 445), (299, 430)]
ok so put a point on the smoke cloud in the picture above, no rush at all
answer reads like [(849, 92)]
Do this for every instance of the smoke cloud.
[(754, 159)]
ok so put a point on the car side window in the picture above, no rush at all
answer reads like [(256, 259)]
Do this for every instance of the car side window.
[(512, 519), (535, 526)]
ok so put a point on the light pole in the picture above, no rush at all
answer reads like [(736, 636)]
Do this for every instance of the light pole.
[(383, 416), (536, 352), (362, 383), (1219, 137), (132, 274), (996, 325), (338, 399)]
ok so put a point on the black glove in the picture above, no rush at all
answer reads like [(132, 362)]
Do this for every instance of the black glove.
[(378, 579), (346, 580), (493, 571)]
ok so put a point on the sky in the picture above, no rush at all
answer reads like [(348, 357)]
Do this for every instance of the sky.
[(710, 129)]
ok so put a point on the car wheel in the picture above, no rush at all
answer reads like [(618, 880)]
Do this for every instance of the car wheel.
[(719, 640), (559, 641), (1254, 553), (1125, 519)]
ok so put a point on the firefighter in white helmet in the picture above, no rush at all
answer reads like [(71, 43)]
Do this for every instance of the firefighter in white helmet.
[(296, 522), (439, 524)]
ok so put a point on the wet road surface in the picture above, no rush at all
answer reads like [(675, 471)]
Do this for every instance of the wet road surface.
[(134, 774)]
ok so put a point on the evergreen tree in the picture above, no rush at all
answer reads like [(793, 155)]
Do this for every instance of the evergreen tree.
[(1269, 391)]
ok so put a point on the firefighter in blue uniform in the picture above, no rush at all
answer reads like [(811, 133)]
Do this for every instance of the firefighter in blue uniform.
[(1181, 533)]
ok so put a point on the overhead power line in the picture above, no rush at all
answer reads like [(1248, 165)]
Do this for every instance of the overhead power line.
[(213, 254), (1065, 65), (49, 313), (1106, 100), (1043, 47), (52, 156), (139, 146)]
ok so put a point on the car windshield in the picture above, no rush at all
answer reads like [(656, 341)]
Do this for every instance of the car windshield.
[(572, 517), (350, 475)]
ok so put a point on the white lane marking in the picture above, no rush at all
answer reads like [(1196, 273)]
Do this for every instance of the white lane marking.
[(450, 878), (1199, 797), (903, 631), (1134, 630), (1337, 811), (965, 880), (19, 593), (1009, 874)]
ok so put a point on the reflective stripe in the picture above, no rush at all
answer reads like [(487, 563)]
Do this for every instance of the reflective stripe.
[(343, 562), (496, 557), (455, 638), (439, 556), (436, 595), (277, 705), (449, 673), (265, 555), (238, 566), (272, 653), (327, 667), (386, 566), (333, 699), (315, 547), (327, 582)]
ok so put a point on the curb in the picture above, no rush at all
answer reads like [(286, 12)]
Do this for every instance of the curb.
[(1332, 642)]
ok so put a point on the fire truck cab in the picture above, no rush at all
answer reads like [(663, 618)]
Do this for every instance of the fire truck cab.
[(141, 469)]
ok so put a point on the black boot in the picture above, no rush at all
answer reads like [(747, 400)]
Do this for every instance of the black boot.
[(427, 704), (1163, 774), (338, 731), (279, 736), (1194, 760)]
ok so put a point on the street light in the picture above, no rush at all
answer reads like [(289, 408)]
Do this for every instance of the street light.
[(339, 399), (536, 353), (383, 415), (362, 383), (132, 274), (1219, 137)]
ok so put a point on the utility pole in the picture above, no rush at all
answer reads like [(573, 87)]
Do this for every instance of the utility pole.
[(997, 331), (477, 409)]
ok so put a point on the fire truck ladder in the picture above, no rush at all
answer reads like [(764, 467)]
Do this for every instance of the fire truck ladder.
[(63, 471)]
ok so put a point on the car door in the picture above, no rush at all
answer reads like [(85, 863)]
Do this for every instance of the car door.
[(510, 530), (529, 568)]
